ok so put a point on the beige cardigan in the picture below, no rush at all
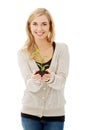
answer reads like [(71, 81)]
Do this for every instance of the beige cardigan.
[(45, 98)]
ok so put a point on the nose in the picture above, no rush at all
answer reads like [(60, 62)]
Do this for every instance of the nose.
[(39, 28)]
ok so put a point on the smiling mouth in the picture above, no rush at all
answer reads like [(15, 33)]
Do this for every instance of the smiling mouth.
[(39, 33)]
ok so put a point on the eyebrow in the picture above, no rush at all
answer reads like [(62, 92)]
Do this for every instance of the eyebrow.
[(42, 22)]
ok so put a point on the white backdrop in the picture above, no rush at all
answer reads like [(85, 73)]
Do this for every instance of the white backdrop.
[(70, 20)]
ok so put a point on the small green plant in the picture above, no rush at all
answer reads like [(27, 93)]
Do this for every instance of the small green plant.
[(40, 62)]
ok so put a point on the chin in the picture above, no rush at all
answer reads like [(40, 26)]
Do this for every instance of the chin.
[(40, 37)]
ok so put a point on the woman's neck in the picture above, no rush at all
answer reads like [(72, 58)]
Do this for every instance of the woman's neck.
[(43, 44)]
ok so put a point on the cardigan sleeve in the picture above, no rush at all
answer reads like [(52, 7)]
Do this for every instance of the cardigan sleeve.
[(58, 79), (31, 84)]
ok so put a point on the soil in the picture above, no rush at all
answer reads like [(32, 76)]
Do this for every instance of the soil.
[(42, 72)]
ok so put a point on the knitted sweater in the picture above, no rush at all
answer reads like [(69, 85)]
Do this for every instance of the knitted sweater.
[(45, 98)]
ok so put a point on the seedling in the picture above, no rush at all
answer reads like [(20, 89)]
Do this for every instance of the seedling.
[(40, 62)]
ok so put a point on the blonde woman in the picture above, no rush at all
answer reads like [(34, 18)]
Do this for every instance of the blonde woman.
[(43, 100)]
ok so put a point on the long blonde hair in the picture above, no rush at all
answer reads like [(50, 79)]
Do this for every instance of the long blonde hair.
[(30, 45)]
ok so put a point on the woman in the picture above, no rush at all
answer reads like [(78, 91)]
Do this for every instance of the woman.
[(43, 100)]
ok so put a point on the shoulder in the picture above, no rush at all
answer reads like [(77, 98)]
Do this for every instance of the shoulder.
[(22, 54), (61, 47)]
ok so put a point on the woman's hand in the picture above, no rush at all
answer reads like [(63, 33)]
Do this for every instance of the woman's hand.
[(36, 76), (46, 77)]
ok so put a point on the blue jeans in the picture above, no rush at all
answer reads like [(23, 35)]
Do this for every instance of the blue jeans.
[(31, 124)]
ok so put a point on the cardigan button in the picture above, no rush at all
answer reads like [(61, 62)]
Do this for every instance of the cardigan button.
[(44, 88), (40, 115), (43, 97)]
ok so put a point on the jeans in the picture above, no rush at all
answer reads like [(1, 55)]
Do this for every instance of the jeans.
[(31, 124)]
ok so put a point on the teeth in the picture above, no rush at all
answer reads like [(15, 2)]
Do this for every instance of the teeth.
[(39, 33)]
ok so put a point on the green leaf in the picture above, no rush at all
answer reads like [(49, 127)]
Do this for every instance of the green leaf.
[(40, 65), (36, 53)]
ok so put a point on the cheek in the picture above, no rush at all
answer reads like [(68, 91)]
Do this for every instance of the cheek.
[(32, 30), (48, 29)]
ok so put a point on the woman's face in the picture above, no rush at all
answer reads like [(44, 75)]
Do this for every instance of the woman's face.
[(40, 27)]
